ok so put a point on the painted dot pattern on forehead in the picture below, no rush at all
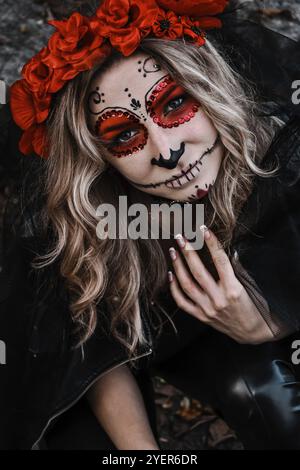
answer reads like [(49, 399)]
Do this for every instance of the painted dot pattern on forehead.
[(135, 104), (96, 97)]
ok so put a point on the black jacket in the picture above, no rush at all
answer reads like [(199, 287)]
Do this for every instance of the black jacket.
[(44, 376)]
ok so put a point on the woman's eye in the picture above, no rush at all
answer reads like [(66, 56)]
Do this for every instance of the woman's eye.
[(126, 136), (174, 104)]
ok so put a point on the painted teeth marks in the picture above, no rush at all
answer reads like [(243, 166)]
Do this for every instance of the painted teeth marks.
[(193, 166), (179, 180), (186, 176)]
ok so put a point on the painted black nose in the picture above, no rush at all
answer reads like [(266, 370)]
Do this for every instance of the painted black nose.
[(171, 162)]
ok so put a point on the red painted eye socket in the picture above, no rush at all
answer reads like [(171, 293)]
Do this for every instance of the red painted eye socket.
[(169, 105), (121, 133)]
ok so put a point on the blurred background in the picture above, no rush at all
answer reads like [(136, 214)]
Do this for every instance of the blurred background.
[(184, 423)]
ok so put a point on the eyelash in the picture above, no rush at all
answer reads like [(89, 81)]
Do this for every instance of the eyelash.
[(175, 99), (117, 139)]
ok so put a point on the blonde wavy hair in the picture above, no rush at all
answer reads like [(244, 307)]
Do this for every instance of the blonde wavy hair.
[(118, 273)]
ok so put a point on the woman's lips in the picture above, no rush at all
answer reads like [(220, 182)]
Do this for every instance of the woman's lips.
[(201, 193)]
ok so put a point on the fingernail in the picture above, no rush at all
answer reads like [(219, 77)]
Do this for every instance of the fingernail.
[(172, 252), (180, 240), (170, 276), (205, 231)]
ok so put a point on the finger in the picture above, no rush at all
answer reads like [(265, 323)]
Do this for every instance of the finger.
[(197, 268), (219, 257), (186, 281), (182, 301)]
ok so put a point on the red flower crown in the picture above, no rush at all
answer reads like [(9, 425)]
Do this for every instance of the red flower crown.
[(80, 42)]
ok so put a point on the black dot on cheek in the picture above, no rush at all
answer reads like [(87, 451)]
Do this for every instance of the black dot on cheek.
[(129, 96), (145, 75), (126, 89), (196, 186), (140, 70)]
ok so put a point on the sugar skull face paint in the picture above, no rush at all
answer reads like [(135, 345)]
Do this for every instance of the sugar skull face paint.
[(156, 133), (121, 131)]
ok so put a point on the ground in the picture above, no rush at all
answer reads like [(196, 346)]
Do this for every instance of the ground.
[(183, 422)]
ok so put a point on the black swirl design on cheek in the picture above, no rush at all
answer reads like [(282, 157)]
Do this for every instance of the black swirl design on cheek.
[(95, 98)]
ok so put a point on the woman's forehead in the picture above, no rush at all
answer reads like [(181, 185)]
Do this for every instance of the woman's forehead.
[(126, 83)]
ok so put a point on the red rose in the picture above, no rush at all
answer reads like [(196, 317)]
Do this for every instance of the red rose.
[(34, 140), (27, 107), (40, 78), (76, 44), (167, 25), (126, 22), (194, 8)]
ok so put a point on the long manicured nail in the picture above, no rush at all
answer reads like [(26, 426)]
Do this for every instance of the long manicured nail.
[(172, 252), (170, 276), (180, 240), (205, 231)]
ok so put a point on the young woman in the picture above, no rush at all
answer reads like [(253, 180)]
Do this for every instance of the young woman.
[(168, 120)]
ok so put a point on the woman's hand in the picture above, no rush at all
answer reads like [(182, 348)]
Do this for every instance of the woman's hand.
[(225, 304)]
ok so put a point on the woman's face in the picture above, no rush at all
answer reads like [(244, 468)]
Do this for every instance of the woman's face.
[(158, 136)]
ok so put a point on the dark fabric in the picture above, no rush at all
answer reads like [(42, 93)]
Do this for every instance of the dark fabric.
[(267, 236), (266, 59), (256, 389)]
